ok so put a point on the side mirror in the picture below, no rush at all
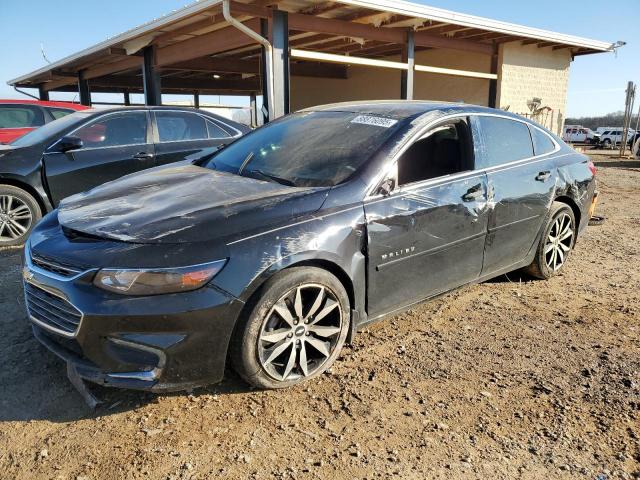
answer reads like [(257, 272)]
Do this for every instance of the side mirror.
[(387, 187), (69, 143)]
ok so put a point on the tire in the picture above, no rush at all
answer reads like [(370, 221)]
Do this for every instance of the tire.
[(606, 143), (545, 265), (271, 343), (19, 212)]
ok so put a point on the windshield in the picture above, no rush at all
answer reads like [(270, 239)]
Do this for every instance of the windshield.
[(48, 130), (307, 149)]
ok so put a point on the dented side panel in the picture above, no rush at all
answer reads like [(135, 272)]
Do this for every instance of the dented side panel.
[(424, 240), (333, 239), (520, 199)]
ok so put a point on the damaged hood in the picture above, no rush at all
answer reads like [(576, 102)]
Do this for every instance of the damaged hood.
[(184, 203)]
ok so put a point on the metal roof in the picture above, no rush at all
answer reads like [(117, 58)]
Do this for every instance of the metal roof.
[(203, 18)]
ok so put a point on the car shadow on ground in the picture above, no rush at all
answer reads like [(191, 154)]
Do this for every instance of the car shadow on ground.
[(512, 277), (56, 399)]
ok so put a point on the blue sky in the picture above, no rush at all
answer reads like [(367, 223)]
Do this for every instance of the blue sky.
[(596, 84)]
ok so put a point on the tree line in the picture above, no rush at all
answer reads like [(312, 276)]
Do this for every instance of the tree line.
[(614, 119)]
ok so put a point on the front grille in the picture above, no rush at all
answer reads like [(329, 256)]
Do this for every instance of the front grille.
[(51, 311), (70, 345), (54, 266)]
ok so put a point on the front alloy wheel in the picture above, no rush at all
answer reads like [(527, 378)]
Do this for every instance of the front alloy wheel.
[(19, 212), (294, 329), (300, 332), (15, 218)]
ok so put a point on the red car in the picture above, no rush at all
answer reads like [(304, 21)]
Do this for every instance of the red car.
[(18, 117)]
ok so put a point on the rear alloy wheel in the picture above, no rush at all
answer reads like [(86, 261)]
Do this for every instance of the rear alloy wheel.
[(559, 242), (295, 331), (556, 243), (18, 214)]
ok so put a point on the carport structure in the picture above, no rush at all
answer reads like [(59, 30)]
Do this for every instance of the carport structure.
[(297, 53)]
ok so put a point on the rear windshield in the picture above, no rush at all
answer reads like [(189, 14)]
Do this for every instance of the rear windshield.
[(307, 149), (49, 130)]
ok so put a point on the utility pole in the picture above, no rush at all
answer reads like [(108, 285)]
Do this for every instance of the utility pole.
[(628, 114)]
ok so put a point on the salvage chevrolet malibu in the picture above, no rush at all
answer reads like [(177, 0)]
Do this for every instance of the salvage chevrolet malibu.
[(273, 252)]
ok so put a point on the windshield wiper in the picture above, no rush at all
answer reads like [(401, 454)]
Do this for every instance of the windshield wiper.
[(274, 178), (245, 162)]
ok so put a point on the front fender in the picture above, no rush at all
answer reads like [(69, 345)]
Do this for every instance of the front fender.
[(335, 239)]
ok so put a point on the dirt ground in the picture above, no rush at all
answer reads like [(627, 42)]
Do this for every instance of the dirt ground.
[(512, 378)]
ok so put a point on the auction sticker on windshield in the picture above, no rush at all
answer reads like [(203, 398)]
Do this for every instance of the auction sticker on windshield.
[(375, 121)]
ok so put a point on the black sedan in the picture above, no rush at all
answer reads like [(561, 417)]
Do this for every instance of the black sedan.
[(88, 148), (275, 251)]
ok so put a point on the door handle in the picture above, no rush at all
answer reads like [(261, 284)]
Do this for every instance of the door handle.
[(143, 156), (473, 193), (542, 176)]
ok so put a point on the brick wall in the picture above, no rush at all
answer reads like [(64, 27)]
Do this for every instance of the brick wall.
[(525, 72)]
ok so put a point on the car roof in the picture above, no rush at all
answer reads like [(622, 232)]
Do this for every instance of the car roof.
[(71, 105), (404, 109), (94, 112)]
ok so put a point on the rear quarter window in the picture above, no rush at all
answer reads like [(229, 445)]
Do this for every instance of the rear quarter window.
[(57, 113), (542, 143), (504, 141)]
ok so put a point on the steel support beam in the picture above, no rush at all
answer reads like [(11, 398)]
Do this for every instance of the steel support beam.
[(151, 77), (42, 93), (493, 83), (83, 89), (196, 99), (280, 42), (264, 31), (127, 98), (406, 76), (253, 110), (183, 85)]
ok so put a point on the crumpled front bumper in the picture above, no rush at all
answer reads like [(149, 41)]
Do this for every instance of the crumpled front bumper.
[(162, 342)]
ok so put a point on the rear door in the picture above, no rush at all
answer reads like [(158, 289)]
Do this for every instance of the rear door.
[(181, 135), (427, 236), (521, 187), (115, 145)]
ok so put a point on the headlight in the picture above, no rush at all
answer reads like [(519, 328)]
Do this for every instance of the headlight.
[(156, 281)]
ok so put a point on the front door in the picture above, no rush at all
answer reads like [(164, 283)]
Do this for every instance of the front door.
[(521, 187), (113, 146), (427, 236)]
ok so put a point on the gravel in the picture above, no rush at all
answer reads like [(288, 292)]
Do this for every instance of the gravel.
[(512, 378)]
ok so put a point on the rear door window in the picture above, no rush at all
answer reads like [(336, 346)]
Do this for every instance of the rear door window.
[(504, 141), (180, 126), (20, 116)]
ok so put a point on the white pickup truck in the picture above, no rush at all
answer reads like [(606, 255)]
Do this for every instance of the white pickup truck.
[(579, 134)]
